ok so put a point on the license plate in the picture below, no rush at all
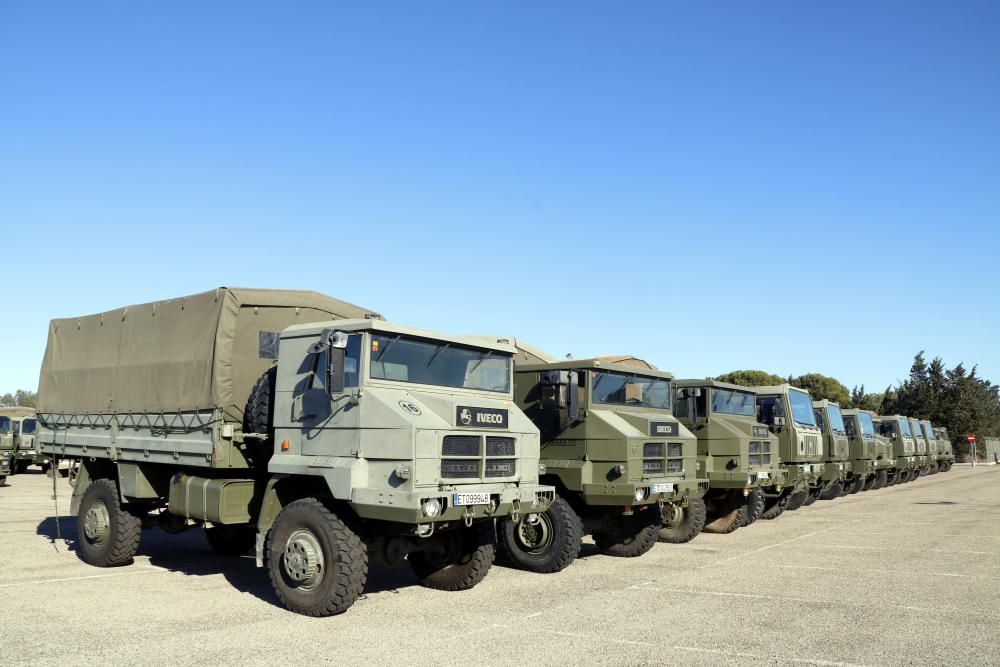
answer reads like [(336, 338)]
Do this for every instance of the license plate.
[(763, 474), (464, 499), (663, 488)]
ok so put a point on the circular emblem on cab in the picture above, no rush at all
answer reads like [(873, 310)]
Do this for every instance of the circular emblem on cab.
[(465, 416), (409, 407)]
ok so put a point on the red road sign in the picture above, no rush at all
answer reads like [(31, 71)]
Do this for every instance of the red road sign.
[(971, 437)]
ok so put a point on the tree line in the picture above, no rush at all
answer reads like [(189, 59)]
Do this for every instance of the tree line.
[(955, 398), (20, 398)]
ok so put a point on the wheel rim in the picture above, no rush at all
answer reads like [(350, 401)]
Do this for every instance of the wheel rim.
[(535, 538), (303, 559), (673, 516), (97, 523)]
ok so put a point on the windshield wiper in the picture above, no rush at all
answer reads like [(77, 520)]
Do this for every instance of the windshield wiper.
[(479, 361), (386, 348), (441, 348)]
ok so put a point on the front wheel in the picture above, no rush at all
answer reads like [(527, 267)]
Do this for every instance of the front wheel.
[(456, 560), (682, 524), (633, 536), (726, 514), (548, 545), (797, 500), (317, 564), (108, 534), (870, 483), (754, 506), (774, 507)]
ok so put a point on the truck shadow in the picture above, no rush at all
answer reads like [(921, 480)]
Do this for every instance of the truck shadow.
[(188, 553)]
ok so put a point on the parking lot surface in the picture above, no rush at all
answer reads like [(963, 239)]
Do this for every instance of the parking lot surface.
[(905, 575)]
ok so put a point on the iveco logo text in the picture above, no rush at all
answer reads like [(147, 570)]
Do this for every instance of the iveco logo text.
[(663, 429), (481, 417)]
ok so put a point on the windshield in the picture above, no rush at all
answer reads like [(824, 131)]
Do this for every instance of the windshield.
[(904, 427), (928, 431), (28, 426), (836, 418), (915, 428), (4, 424), (612, 388), (802, 408), (404, 359), (734, 402), (867, 425)]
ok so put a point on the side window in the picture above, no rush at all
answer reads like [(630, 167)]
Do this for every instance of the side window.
[(767, 410), (850, 426), (701, 404), (820, 419), (681, 408)]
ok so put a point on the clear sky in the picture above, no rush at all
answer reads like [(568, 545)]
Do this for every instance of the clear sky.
[(790, 186)]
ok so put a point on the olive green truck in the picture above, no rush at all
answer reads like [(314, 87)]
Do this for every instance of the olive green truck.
[(295, 425), (740, 454), (18, 427), (625, 470)]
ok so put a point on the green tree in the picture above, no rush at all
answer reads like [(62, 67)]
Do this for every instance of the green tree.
[(865, 401), (21, 397), (821, 386), (750, 378)]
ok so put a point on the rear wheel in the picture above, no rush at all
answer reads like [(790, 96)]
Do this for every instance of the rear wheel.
[(811, 497), (108, 534), (754, 507), (870, 483), (633, 536), (774, 507), (796, 500), (318, 566), (230, 540), (682, 524), (856, 485), (725, 514), (835, 490), (457, 560), (547, 546)]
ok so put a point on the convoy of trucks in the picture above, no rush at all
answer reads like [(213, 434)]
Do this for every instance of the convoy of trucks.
[(324, 440)]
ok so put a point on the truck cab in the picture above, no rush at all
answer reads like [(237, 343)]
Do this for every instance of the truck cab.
[(897, 430), (871, 454), (738, 453), (18, 429), (838, 476), (922, 446), (6, 448), (622, 464), (788, 413), (945, 455), (932, 446)]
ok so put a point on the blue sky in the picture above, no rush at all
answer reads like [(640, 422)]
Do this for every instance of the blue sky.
[(791, 186)]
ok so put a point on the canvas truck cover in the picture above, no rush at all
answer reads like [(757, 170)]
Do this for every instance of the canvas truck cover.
[(194, 353)]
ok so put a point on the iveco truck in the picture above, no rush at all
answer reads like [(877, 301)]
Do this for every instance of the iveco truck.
[(945, 455), (625, 470), (738, 454), (897, 429), (788, 413), (837, 475), (871, 454), (300, 427), (922, 445)]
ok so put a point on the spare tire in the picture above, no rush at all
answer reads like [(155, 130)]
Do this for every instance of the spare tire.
[(258, 417)]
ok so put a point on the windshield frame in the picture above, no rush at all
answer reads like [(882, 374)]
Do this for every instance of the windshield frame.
[(862, 417), (904, 428), (830, 407), (734, 392), (593, 381), (806, 406), (368, 362)]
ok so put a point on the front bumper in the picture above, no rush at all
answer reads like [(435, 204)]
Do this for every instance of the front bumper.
[(5, 464), (885, 464), (748, 478), (863, 467), (405, 506), (622, 494), (802, 475), (835, 471)]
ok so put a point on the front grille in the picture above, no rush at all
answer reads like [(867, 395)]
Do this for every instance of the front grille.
[(460, 468), (812, 445), (499, 446), (500, 468), (675, 465), (675, 449), (460, 445), (653, 467), (653, 450), (760, 459)]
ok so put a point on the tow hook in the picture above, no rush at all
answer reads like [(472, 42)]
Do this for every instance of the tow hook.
[(515, 512), (468, 516)]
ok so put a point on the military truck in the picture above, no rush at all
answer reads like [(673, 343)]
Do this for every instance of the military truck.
[(896, 428), (838, 476), (5, 467), (293, 424), (6, 447), (738, 454), (922, 447), (927, 431), (17, 435), (945, 454), (788, 413), (871, 454), (625, 470)]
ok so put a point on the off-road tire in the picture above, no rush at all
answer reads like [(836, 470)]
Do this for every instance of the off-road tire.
[(566, 530), (230, 540), (855, 486), (812, 496), (689, 523), (3, 480), (476, 553), (259, 418), (833, 491), (20, 467), (729, 515), (871, 482), (754, 507), (881, 479), (636, 535), (796, 500), (774, 507), (119, 540), (345, 560)]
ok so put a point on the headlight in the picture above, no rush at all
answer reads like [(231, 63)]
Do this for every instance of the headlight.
[(431, 508), (640, 495)]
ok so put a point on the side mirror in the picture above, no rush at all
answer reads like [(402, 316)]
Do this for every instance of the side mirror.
[(558, 391), (334, 342)]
